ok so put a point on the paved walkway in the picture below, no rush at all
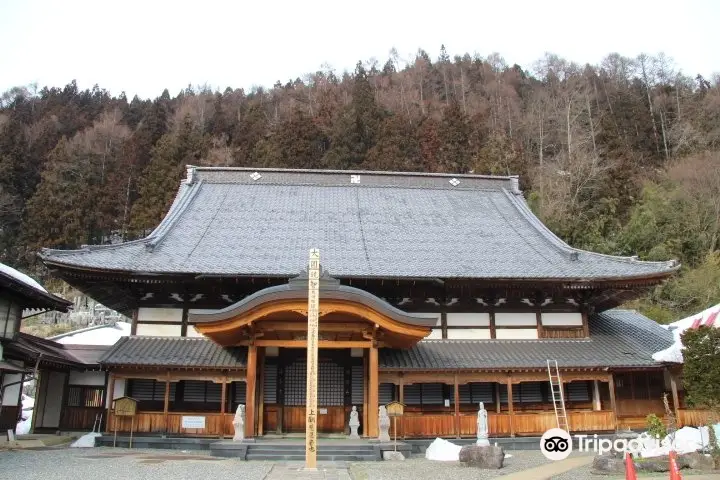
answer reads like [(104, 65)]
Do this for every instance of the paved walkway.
[(544, 472), (296, 471)]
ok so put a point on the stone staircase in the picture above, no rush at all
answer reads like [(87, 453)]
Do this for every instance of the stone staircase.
[(277, 452)]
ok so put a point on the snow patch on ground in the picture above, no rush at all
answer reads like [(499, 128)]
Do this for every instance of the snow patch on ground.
[(443, 451), (674, 352), (23, 426), (86, 441), (21, 277)]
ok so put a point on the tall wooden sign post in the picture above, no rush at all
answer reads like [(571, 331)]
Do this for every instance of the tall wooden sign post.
[(312, 360)]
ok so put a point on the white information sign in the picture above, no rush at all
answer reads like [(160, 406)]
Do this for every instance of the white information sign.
[(193, 422)]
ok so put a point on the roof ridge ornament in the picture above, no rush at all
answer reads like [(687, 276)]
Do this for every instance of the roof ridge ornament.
[(454, 182), (255, 176), (190, 179), (326, 281)]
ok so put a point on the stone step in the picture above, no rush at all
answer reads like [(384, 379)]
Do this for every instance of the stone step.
[(320, 457), (321, 448)]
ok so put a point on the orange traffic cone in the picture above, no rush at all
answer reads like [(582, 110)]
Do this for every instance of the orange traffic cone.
[(630, 473), (674, 470)]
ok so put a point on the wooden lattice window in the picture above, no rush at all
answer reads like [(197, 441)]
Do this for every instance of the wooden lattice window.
[(85, 396), (330, 383)]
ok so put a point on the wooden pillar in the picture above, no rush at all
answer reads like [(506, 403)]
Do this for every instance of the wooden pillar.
[(373, 392), (496, 389), (133, 325), (675, 397), (596, 396), (538, 320), (401, 395), (510, 406), (223, 402), (261, 394), (586, 325), (613, 405), (110, 397), (457, 407), (250, 392), (166, 404), (365, 395), (491, 315)]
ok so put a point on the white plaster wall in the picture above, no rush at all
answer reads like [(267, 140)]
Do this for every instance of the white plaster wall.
[(159, 330), (516, 333), (573, 319), (515, 319), (53, 400), (87, 378), (119, 391), (160, 314), (469, 333), (435, 334), (12, 392), (191, 332), (468, 319), (438, 318)]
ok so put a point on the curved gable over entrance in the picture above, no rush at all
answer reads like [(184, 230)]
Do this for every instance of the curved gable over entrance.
[(277, 316)]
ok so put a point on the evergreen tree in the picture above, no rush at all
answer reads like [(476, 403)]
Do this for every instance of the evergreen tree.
[(454, 135)]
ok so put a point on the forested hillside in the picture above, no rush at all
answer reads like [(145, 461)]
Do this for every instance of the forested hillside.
[(621, 157)]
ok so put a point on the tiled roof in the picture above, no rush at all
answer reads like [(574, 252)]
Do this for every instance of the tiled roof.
[(31, 293), (172, 352), (618, 338), (390, 225)]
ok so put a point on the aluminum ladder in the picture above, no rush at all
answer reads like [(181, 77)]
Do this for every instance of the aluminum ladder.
[(558, 396)]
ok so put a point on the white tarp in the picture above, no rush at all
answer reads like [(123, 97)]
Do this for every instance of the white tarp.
[(86, 441), (443, 451), (686, 440), (673, 353)]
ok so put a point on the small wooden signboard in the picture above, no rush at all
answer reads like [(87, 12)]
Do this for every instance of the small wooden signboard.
[(125, 407), (395, 409)]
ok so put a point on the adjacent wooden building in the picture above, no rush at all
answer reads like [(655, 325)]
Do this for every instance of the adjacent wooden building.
[(438, 291)]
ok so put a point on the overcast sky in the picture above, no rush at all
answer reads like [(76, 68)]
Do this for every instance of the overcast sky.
[(142, 47)]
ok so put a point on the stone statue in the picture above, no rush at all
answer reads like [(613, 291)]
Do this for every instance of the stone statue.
[(354, 423), (482, 426), (383, 424), (239, 424)]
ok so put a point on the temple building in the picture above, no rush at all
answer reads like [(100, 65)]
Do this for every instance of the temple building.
[(439, 291)]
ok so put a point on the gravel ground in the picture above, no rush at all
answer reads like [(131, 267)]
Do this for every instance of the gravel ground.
[(120, 463), (583, 473), (418, 468)]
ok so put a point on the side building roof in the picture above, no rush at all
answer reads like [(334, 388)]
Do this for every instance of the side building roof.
[(31, 293), (262, 222)]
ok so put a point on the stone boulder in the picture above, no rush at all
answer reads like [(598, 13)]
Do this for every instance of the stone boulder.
[(392, 455), (608, 465), (697, 461), (490, 457)]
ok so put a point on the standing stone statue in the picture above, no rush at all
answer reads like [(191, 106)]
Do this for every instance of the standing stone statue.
[(482, 426), (239, 424), (384, 424), (354, 423)]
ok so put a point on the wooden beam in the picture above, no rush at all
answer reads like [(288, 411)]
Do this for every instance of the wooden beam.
[(510, 405), (250, 392), (223, 402), (373, 388), (457, 407), (675, 397), (303, 343), (301, 326), (613, 404), (166, 405), (110, 396)]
